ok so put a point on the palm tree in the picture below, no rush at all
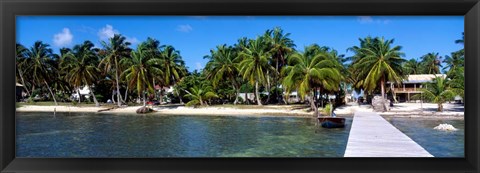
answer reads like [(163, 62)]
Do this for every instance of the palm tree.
[(412, 66), (81, 67), (222, 66), (40, 65), (116, 49), (308, 70), (454, 62), (152, 49), (173, 66), (378, 62), (20, 64), (255, 64), (141, 70), (280, 46), (199, 95), (241, 44), (431, 63), (438, 92)]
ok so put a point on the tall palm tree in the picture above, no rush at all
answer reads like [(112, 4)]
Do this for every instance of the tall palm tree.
[(40, 65), (115, 49), (255, 64), (431, 63), (141, 70), (222, 66), (173, 66), (81, 64), (438, 92), (280, 46), (378, 63), (241, 44), (21, 65), (152, 49), (308, 70)]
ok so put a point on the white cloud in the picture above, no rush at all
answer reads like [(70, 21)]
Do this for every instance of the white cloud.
[(184, 28), (370, 19), (107, 32), (199, 66), (63, 38)]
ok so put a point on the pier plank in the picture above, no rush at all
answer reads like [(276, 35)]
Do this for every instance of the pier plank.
[(373, 136)]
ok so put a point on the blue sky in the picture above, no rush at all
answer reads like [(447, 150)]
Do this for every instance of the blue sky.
[(194, 36)]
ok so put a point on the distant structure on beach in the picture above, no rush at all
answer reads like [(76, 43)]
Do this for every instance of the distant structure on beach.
[(411, 86)]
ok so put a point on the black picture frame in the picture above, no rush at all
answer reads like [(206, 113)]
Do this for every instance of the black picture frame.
[(9, 9)]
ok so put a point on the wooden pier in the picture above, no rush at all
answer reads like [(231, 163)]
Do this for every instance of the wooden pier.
[(373, 136)]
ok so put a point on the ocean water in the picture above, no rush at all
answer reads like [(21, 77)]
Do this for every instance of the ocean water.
[(436, 142), (92, 135)]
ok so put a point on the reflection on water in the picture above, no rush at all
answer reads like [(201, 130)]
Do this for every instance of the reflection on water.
[(110, 135), (438, 143)]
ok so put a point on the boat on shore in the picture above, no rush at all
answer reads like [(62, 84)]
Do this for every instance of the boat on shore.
[(331, 122)]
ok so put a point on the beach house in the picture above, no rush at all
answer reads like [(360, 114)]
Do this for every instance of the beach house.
[(411, 86)]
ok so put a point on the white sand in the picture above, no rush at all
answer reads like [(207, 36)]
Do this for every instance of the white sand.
[(181, 110), (399, 109), (34, 108)]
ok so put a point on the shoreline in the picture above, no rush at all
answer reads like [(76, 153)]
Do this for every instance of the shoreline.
[(404, 110)]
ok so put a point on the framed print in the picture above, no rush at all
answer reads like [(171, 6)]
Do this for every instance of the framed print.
[(251, 86)]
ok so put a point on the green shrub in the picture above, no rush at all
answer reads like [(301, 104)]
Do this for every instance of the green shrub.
[(328, 110)]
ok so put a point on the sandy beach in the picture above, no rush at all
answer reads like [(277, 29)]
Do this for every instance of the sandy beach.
[(427, 110)]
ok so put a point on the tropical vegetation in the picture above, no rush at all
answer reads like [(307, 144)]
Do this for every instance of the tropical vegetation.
[(270, 66)]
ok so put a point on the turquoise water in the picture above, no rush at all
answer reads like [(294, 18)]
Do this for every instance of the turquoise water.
[(127, 136), (436, 142)]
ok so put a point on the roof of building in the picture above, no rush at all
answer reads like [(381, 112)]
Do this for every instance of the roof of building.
[(422, 78)]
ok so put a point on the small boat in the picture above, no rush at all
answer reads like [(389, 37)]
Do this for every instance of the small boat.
[(332, 122)]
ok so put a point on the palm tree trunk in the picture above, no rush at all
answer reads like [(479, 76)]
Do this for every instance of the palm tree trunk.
[(277, 78), (268, 87), (201, 101), (313, 106), (440, 107), (53, 96), (382, 85), (236, 95), (126, 95), (257, 94), (144, 98), (23, 81), (246, 98), (117, 81), (321, 97), (94, 97), (113, 96), (33, 89), (79, 96)]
